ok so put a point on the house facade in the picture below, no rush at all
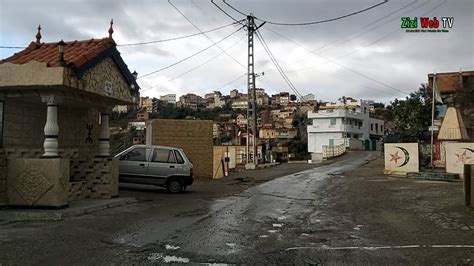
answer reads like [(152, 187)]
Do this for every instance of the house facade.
[(342, 124), (56, 99)]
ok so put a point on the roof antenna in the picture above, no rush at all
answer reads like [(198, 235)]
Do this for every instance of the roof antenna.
[(38, 35), (111, 30)]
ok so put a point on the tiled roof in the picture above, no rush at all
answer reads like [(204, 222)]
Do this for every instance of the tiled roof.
[(449, 82), (76, 53)]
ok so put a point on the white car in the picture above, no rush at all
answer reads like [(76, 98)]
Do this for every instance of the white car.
[(156, 165)]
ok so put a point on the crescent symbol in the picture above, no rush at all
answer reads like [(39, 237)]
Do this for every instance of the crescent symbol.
[(407, 156), (468, 149)]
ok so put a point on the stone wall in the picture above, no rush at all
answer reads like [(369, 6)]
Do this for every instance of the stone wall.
[(94, 81), (193, 136)]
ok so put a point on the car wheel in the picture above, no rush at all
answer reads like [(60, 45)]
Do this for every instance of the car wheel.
[(175, 186)]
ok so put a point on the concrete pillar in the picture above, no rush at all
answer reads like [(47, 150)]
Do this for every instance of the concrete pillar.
[(51, 128), (104, 136)]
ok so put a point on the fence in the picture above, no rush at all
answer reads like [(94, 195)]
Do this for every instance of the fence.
[(333, 151)]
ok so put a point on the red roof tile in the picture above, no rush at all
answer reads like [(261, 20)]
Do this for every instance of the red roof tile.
[(76, 53), (449, 82)]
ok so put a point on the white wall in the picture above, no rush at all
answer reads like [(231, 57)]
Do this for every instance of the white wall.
[(317, 140)]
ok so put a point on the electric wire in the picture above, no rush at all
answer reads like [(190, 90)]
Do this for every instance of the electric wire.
[(390, 33), (311, 22), (177, 38), (190, 56), (339, 64), (358, 34), (12, 47), (200, 65), (196, 27), (223, 11), (277, 65)]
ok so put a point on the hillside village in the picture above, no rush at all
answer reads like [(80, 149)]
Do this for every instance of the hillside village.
[(282, 119)]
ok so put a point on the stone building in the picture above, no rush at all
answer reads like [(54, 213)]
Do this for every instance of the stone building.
[(55, 100)]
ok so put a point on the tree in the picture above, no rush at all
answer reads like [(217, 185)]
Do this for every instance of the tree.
[(412, 116)]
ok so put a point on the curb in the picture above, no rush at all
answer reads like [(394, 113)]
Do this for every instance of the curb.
[(77, 208)]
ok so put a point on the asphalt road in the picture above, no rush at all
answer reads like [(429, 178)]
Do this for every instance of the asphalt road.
[(317, 216)]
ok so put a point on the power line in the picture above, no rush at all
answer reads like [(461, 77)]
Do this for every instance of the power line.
[(345, 39), (223, 11), (311, 22), (277, 65), (198, 66), (190, 56), (177, 38), (241, 76), (390, 33), (12, 47), (195, 26), (341, 65)]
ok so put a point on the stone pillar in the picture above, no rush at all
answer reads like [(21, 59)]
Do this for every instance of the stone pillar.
[(104, 136), (51, 128)]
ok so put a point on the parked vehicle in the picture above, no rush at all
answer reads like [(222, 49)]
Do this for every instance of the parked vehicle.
[(156, 165)]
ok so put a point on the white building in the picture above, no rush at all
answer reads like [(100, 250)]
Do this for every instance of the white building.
[(169, 98), (343, 124)]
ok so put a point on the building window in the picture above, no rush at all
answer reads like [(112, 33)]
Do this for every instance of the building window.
[(371, 126), (381, 128), (360, 124), (365, 110), (377, 127), (333, 121)]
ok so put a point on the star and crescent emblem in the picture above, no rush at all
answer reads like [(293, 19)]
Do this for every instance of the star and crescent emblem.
[(395, 157), (464, 157)]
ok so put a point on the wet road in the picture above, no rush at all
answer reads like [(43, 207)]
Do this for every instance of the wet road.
[(263, 224), (347, 212)]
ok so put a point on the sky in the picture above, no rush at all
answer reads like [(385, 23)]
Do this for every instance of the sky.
[(366, 56)]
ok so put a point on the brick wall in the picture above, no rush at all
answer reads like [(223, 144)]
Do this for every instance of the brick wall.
[(93, 178), (193, 136)]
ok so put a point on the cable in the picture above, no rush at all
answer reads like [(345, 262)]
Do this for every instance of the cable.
[(341, 65), (354, 36), (12, 47), (207, 61), (177, 38), (223, 11), (311, 22), (277, 65), (241, 76), (195, 26), (390, 33), (198, 66), (190, 56)]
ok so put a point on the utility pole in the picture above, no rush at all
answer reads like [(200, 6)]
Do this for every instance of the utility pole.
[(251, 96), (251, 93), (344, 100)]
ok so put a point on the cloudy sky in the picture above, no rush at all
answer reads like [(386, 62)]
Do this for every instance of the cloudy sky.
[(366, 56)]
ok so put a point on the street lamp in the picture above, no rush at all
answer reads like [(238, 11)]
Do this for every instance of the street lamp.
[(61, 45)]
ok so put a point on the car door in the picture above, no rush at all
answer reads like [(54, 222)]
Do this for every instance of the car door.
[(162, 165), (133, 165)]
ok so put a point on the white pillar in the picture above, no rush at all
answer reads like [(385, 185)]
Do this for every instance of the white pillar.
[(104, 136), (51, 128)]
